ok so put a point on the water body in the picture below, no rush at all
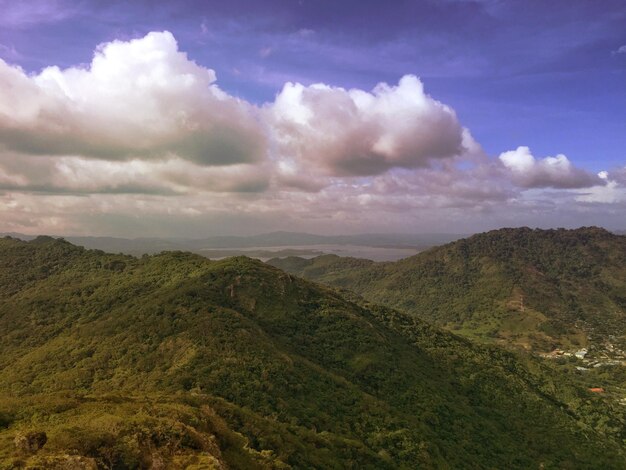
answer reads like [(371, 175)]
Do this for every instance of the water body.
[(375, 253)]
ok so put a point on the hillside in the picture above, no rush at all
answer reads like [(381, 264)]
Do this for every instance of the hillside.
[(537, 289), (175, 361)]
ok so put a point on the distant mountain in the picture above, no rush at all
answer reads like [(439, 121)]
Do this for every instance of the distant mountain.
[(419, 241), (537, 289), (176, 361), (131, 246), (216, 246)]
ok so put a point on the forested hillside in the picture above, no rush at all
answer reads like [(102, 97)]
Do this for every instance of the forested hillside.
[(537, 289), (175, 361)]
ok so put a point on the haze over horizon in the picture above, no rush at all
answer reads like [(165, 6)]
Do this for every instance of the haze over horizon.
[(192, 119)]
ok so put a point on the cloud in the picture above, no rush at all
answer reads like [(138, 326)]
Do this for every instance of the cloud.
[(357, 133), (9, 52), (614, 192), (142, 140), (620, 50), (618, 175), (130, 120), (550, 172), (19, 14), (137, 99), (76, 175), (305, 32), (609, 194)]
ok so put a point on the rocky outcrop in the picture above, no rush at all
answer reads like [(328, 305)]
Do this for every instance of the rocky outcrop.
[(30, 442)]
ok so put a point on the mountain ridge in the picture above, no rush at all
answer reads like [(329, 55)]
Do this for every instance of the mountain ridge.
[(489, 285), (152, 245), (254, 368)]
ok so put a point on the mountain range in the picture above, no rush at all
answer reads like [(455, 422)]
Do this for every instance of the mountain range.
[(534, 289), (177, 361), (223, 245)]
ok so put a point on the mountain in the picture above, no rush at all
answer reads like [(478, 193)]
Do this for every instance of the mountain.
[(216, 246), (535, 289), (299, 239), (177, 361)]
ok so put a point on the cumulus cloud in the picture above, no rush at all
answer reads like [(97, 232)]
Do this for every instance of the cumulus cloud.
[(357, 133), (550, 172), (614, 191), (145, 134), (141, 109), (137, 99), (609, 194)]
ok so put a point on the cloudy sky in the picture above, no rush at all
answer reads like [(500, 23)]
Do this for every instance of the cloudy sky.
[(195, 118)]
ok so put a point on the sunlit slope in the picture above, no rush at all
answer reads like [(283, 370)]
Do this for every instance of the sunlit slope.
[(534, 288)]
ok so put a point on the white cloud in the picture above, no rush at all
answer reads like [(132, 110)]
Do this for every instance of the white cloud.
[(77, 175), (618, 175), (138, 99), (354, 132), (549, 172), (18, 14), (142, 140), (611, 193)]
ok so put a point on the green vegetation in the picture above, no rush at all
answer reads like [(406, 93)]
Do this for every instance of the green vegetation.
[(176, 361), (535, 289)]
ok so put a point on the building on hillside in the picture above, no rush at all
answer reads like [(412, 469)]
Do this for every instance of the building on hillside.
[(581, 353)]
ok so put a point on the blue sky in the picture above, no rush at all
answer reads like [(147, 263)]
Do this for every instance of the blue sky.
[(550, 76)]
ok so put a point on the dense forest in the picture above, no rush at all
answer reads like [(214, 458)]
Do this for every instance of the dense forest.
[(534, 289), (176, 361)]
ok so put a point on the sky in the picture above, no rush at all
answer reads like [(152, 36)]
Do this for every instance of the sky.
[(197, 118)]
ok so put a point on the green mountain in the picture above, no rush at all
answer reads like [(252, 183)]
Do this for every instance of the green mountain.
[(536, 289), (176, 361)]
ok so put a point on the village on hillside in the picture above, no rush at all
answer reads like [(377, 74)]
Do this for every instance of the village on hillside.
[(592, 359)]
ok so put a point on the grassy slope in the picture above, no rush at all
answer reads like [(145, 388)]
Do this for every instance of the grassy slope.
[(534, 288), (181, 360)]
